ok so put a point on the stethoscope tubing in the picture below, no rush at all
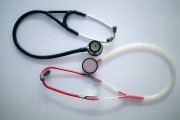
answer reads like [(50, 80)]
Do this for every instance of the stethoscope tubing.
[(64, 24), (150, 48)]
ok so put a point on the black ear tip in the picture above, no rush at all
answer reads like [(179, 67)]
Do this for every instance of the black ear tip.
[(110, 39), (114, 29), (47, 72), (42, 78)]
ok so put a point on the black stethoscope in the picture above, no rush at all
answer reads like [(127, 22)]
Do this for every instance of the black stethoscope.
[(94, 48)]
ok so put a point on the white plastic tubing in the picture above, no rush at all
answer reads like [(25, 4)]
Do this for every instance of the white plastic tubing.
[(151, 48)]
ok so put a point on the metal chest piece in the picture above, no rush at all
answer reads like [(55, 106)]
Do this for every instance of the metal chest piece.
[(95, 48)]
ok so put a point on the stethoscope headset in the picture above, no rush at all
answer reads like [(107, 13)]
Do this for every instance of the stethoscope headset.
[(90, 65), (94, 48)]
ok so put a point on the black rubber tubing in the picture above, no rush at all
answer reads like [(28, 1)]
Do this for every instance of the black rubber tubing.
[(83, 49)]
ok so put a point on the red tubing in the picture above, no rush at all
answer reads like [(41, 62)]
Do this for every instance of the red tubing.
[(52, 67), (83, 74), (63, 92), (60, 91)]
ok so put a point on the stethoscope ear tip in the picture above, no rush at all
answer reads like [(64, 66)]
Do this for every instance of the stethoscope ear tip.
[(42, 75), (47, 72), (114, 29), (110, 39)]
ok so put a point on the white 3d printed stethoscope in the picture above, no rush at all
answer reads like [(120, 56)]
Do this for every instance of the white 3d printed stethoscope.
[(90, 65)]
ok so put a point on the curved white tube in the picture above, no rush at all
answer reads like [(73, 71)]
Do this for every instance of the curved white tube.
[(152, 48), (108, 86)]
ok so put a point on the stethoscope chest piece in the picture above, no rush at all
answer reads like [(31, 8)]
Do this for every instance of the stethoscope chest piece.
[(95, 48), (89, 65)]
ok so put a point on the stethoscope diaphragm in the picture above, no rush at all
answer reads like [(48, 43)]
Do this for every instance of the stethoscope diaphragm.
[(89, 65)]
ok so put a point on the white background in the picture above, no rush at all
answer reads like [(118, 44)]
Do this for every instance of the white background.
[(22, 95)]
